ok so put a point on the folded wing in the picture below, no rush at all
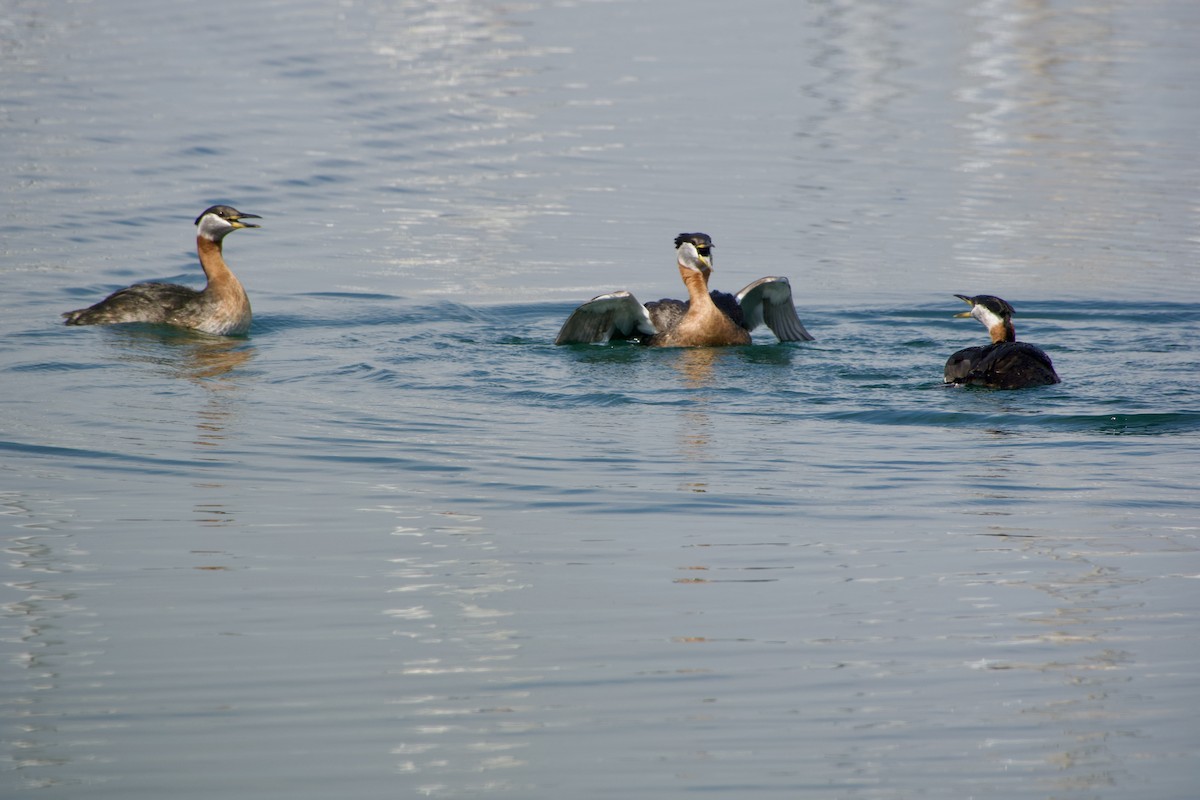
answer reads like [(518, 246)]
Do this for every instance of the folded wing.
[(1002, 365), (610, 316), (768, 301)]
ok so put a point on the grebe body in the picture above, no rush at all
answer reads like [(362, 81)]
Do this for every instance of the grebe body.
[(1003, 364), (706, 319), (222, 307)]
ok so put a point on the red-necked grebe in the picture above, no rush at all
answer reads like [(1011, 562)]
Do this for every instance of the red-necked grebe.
[(1005, 363), (220, 308), (705, 319)]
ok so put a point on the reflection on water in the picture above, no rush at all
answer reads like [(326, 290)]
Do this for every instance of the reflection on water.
[(215, 365), (206, 360), (467, 159), (1071, 644), (448, 633), (1063, 596), (51, 634), (1042, 120), (209, 360), (695, 367), (212, 364)]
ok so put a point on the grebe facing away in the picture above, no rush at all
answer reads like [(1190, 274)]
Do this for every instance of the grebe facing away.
[(706, 319), (1005, 363), (221, 308)]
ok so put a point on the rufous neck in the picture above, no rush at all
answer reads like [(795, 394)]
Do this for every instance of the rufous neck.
[(1003, 332), (697, 286), (213, 262)]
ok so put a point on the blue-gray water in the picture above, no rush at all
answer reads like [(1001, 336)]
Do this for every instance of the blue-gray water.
[(394, 543)]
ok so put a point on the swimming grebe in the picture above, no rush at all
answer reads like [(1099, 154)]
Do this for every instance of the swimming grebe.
[(1005, 363), (221, 308), (705, 319)]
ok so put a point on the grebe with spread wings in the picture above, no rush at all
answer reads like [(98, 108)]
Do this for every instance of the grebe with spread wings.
[(705, 319)]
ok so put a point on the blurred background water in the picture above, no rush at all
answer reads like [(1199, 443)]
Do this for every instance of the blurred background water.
[(396, 543)]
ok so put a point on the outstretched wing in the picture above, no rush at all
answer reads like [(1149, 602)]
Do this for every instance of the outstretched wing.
[(610, 316), (769, 301)]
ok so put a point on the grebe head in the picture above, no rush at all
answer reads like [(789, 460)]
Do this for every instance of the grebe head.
[(701, 241), (995, 314), (694, 251), (217, 221), (690, 259)]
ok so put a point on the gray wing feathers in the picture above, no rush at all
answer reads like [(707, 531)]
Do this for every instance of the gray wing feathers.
[(616, 315), (768, 301)]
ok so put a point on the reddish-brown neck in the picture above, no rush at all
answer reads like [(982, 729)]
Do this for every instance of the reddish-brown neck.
[(697, 286), (213, 262), (1003, 332)]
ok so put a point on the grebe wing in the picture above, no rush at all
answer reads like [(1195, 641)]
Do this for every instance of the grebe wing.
[(617, 315), (768, 301), (729, 306), (1002, 365), (142, 302), (665, 314), (959, 366), (1016, 365)]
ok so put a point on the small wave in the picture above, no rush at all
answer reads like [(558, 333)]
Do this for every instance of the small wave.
[(54, 366), (1115, 424), (108, 460), (348, 310), (583, 400), (1178, 422)]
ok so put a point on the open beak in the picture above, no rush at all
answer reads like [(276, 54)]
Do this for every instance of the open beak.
[(968, 301), (237, 223)]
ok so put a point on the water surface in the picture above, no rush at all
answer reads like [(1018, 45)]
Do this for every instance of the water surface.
[(396, 543)]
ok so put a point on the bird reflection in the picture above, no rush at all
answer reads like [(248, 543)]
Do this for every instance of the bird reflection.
[(211, 363), (699, 370), (696, 367), (214, 365), (214, 359), (182, 354), (206, 361)]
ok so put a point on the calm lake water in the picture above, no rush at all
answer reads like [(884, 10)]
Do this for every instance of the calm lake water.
[(394, 543)]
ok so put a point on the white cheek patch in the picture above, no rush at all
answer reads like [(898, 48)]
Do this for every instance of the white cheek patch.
[(211, 226), (688, 257), (986, 316)]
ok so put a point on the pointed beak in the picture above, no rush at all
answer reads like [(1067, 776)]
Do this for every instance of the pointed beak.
[(237, 223), (968, 301)]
